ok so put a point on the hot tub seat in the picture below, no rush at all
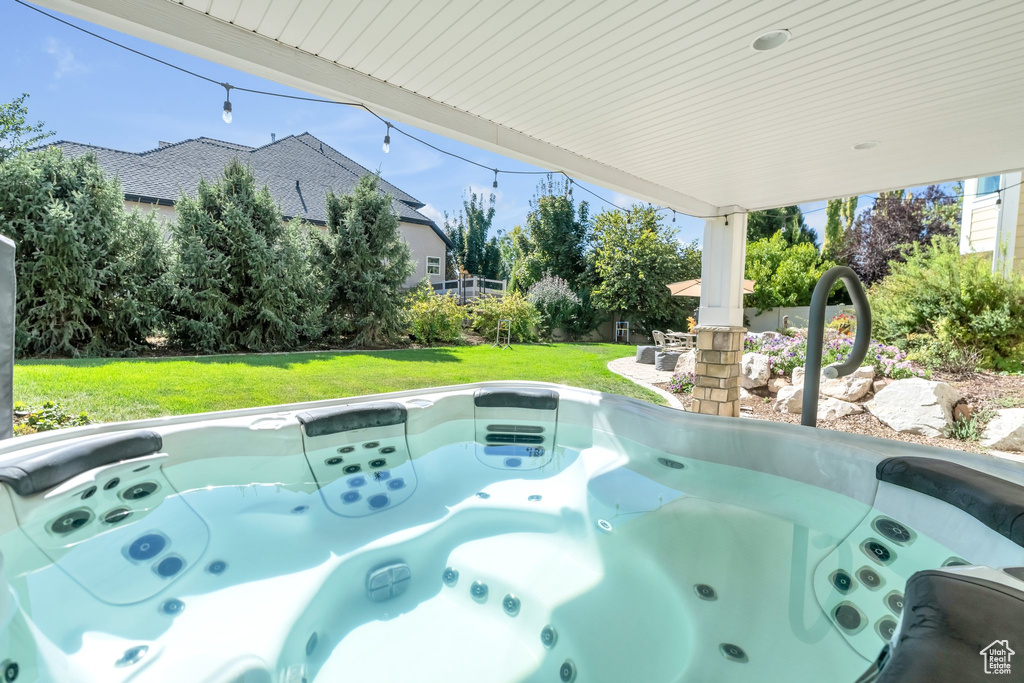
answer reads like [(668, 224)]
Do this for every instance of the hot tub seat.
[(998, 503), (949, 621)]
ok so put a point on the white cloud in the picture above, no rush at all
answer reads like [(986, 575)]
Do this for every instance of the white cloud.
[(432, 213), (67, 63)]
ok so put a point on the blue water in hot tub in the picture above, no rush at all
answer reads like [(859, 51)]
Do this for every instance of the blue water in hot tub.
[(608, 564)]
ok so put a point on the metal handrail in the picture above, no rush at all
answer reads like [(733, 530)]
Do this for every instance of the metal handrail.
[(816, 337)]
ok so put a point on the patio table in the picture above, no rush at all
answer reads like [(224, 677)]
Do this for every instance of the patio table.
[(681, 339)]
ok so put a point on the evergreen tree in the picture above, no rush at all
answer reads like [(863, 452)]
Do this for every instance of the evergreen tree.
[(366, 263), (240, 283), (91, 278)]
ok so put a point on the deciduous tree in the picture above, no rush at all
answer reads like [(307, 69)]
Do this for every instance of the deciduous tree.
[(635, 258)]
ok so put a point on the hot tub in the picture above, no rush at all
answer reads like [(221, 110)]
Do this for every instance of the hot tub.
[(492, 532)]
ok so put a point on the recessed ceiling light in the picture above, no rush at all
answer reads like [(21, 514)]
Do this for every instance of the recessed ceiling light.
[(867, 144), (771, 40)]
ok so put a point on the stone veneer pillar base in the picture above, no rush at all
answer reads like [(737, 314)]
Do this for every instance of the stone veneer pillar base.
[(717, 386)]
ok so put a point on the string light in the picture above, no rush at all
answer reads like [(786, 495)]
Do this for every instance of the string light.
[(673, 215), (226, 114), (569, 193), (227, 110)]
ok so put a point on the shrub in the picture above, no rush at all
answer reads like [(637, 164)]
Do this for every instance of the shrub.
[(50, 416), (843, 325), (682, 383), (783, 275), (945, 354), (91, 277), (957, 300), (435, 318), (514, 307), (556, 303), (969, 429)]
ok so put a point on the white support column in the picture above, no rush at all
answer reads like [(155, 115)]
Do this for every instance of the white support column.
[(7, 301), (720, 330), (724, 255)]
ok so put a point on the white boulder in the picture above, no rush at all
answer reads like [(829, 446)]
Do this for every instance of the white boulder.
[(776, 383), (1005, 432), (789, 400), (833, 409), (755, 370), (687, 362), (915, 406), (852, 387)]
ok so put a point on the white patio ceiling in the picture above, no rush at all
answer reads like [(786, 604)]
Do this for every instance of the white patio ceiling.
[(661, 100)]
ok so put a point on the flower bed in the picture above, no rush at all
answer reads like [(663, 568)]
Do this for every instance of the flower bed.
[(786, 353)]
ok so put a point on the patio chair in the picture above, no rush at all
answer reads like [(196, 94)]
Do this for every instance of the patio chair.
[(659, 338)]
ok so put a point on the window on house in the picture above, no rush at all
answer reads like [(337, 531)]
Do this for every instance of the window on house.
[(433, 265), (988, 184)]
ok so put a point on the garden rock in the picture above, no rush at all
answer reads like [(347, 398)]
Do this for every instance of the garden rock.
[(852, 387), (1005, 432), (789, 400), (915, 406), (833, 409), (754, 370), (880, 384), (776, 383), (687, 363)]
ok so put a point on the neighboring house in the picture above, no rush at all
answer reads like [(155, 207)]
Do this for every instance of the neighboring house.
[(298, 170), (993, 222)]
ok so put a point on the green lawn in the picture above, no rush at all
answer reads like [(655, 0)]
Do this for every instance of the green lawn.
[(116, 389)]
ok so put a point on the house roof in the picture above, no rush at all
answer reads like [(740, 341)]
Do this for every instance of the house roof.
[(297, 169)]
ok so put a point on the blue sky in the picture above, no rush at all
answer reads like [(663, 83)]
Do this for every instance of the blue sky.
[(89, 91)]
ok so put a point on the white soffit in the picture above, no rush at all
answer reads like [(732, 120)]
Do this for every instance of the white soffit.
[(659, 99)]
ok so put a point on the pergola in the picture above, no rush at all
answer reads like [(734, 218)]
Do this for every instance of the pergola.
[(676, 103)]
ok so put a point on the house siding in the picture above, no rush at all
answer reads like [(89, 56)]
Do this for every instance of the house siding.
[(983, 228)]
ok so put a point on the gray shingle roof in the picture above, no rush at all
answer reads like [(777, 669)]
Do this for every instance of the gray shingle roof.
[(297, 169)]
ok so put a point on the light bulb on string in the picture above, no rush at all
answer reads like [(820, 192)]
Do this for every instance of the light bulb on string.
[(673, 215), (495, 184), (226, 113), (387, 140)]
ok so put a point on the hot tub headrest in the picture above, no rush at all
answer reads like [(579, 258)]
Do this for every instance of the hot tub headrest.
[(40, 471), (324, 421), (995, 502), (949, 620), (534, 399)]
